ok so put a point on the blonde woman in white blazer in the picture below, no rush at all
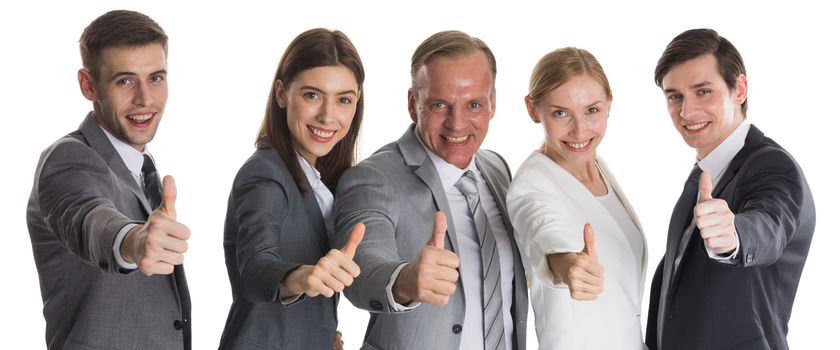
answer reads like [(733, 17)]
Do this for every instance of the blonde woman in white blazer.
[(583, 248)]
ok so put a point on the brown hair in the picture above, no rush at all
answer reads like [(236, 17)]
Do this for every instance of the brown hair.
[(311, 49), (559, 66), (118, 28), (694, 43), (451, 44)]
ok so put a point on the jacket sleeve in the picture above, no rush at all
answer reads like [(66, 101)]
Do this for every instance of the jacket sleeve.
[(364, 195), (261, 205), (541, 223), (75, 191), (771, 196)]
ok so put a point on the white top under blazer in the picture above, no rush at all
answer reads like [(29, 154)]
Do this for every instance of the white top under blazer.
[(549, 207)]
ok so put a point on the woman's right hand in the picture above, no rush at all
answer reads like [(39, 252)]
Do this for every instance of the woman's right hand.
[(330, 275), (580, 271)]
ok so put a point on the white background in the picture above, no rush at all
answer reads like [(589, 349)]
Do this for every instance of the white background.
[(222, 57)]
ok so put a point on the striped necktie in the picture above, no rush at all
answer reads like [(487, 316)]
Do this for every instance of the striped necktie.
[(491, 294)]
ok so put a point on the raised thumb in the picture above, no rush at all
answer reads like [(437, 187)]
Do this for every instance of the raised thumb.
[(589, 242), (353, 241), (438, 231), (705, 187), (170, 193)]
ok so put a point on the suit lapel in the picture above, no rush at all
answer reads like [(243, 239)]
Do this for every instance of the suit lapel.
[(99, 142), (316, 219), (498, 186), (753, 140), (416, 157)]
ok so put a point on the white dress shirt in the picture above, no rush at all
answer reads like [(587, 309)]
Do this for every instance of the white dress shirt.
[(472, 335), (322, 194)]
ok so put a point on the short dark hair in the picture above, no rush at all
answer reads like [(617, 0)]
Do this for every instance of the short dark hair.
[(694, 43), (114, 29), (313, 48)]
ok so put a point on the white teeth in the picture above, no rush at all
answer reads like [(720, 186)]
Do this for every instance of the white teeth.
[(578, 145), (321, 133), (697, 126), (456, 139), (140, 117)]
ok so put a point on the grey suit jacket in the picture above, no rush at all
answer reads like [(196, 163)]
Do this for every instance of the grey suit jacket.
[(270, 230), (396, 193), (82, 195)]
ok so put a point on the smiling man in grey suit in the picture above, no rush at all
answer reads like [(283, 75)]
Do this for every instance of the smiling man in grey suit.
[(92, 216), (429, 285)]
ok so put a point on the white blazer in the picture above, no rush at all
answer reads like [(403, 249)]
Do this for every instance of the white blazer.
[(549, 207)]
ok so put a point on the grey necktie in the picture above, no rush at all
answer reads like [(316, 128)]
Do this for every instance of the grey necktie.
[(491, 294), (151, 182)]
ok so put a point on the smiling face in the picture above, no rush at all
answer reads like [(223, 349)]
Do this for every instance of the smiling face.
[(703, 109), (454, 103), (574, 117), (320, 104), (131, 92)]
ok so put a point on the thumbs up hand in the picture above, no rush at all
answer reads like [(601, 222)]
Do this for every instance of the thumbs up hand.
[(429, 278), (714, 219), (159, 244), (580, 271), (330, 275)]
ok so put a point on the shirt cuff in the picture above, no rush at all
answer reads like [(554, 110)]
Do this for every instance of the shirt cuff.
[(289, 300), (730, 258), (116, 249), (390, 293)]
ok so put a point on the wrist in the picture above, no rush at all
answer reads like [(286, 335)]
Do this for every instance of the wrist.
[(128, 249), (399, 290), (291, 284)]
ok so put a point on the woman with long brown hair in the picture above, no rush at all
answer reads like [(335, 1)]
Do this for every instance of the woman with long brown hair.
[(285, 279)]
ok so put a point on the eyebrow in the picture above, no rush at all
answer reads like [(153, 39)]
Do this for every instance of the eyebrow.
[(133, 74), (566, 108), (310, 87), (692, 87)]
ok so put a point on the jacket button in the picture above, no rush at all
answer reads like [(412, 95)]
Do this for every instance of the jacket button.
[(456, 329), (178, 324), (376, 305)]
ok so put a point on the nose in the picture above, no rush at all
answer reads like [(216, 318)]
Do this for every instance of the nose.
[(577, 129), (688, 109), (456, 120), (143, 95), (327, 112)]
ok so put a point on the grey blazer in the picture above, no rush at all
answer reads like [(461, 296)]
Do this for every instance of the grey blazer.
[(395, 193), (270, 230), (82, 195)]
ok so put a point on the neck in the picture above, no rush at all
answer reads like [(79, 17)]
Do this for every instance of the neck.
[(585, 171)]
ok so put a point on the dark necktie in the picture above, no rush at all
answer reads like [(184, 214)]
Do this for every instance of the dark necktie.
[(494, 330), (680, 219), (151, 182)]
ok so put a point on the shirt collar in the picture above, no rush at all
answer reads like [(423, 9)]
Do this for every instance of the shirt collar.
[(449, 174), (313, 176), (132, 158), (718, 160)]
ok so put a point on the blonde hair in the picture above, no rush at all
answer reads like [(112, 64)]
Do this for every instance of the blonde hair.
[(559, 66), (450, 44)]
